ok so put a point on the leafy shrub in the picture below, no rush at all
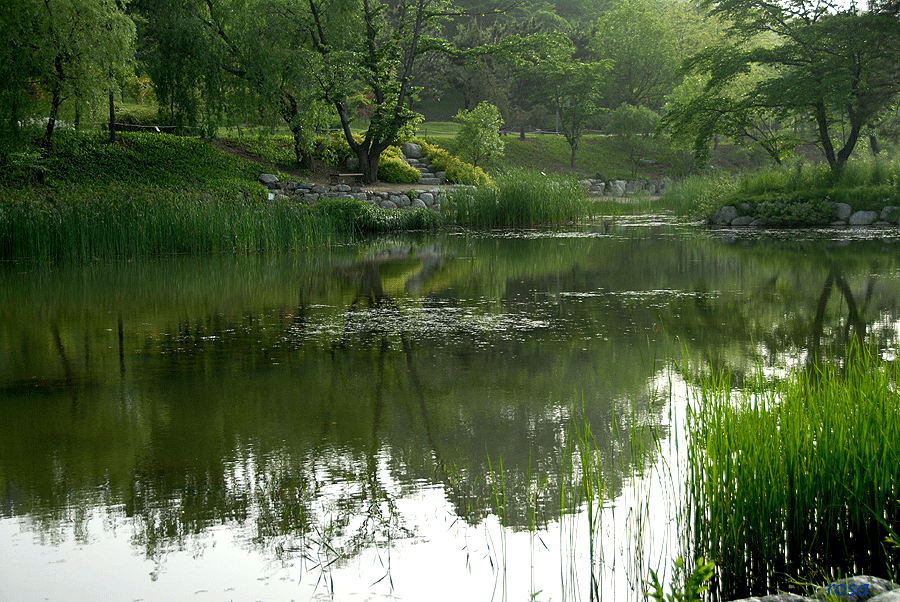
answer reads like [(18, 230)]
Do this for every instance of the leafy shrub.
[(393, 169), (457, 171), (137, 116), (794, 212), (479, 135), (334, 149)]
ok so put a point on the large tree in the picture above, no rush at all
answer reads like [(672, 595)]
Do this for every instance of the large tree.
[(637, 36), (571, 88), (62, 50), (835, 68), (372, 47)]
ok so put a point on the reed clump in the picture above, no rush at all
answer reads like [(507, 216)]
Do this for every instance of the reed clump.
[(520, 198), (797, 479)]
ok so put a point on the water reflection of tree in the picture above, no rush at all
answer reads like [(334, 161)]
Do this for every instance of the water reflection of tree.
[(794, 309), (466, 452)]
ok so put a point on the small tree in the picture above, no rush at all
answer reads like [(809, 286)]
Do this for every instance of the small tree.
[(633, 125), (479, 136)]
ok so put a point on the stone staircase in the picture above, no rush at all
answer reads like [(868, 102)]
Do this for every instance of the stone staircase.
[(414, 157)]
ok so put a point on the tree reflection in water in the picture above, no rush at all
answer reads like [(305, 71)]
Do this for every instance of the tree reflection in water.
[(301, 400)]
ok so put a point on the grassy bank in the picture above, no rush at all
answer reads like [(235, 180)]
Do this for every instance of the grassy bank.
[(797, 481), (792, 196), (156, 194)]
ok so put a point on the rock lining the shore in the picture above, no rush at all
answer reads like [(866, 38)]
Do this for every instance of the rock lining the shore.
[(878, 590), (307, 192), (843, 216)]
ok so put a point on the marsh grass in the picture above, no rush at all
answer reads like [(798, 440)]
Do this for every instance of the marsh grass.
[(126, 222), (119, 222), (865, 184), (153, 194), (521, 198), (797, 479)]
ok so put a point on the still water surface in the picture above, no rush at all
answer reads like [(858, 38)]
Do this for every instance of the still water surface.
[(393, 420)]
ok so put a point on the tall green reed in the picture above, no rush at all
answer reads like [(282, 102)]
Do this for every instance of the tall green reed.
[(521, 198), (796, 479)]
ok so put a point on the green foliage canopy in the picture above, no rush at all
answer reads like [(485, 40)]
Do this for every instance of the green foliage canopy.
[(479, 135), (791, 63)]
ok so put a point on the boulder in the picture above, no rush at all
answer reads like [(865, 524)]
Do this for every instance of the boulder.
[(269, 181), (725, 215), (842, 211), (412, 150), (743, 220), (889, 210), (848, 590), (862, 218)]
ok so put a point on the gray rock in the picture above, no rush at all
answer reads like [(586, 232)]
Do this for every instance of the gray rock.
[(427, 199), (617, 188), (632, 187), (319, 189), (842, 211), (388, 205), (777, 598), (418, 204), (268, 180), (341, 188), (887, 211), (891, 596), (743, 220), (862, 218), (873, 586), (725, 215), (412, 150)]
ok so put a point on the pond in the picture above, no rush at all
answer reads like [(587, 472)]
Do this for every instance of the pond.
[(400, 419)]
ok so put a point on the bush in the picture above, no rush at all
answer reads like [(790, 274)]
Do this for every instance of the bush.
[(479, 135), (396, 170), (456, 170), (138, 117)]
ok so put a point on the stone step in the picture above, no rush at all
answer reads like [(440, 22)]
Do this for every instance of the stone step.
[(430, 181)]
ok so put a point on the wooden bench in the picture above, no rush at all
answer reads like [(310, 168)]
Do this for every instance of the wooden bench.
[(336, 178)]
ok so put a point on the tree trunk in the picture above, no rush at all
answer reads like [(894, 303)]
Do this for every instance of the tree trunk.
[(522, 131), (873, 144), (368, 164), (51, 120), (572, 159), (304, 159)]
